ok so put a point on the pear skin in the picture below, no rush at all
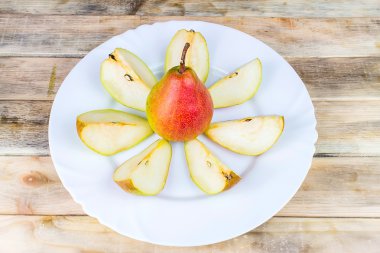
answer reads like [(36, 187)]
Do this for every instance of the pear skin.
[(179, 106)]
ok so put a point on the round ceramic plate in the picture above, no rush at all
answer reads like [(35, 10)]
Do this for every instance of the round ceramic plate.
[(182, 215)]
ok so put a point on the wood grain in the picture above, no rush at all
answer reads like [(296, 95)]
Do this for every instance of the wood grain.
[(23, 35), (258, 8), (325, 78), (335, 187), (30, 185), (339, 78), (29, 78), (85, 234), (261, 8), (56, 35), (338, 187), (24, 127), (346, 128), (71, 7)]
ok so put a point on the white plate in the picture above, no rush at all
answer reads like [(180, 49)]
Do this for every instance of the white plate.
[(182, 215)]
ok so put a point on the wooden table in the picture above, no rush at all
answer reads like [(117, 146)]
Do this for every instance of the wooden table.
[(333, 45)]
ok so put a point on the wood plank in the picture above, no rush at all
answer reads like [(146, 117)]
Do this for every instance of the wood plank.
[(338, 187), (262, 8), (71, 7), (85, 234), (25, 35), (24, 127), (30, 185), (30, 78), (346, 128), (334, 187), (56, 35), (258, 8), (339, 78), (325, 78)]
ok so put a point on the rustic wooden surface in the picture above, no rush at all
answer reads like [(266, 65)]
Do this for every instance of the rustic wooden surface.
[(57, 35), (258, 8), (84, 234), (333, 45)]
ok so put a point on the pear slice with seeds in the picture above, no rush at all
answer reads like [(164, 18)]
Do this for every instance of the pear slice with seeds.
[(197, 57), (206, 170), (127, 78), (131, 61), (146, 173), (238, 87), (249, 136), (109, 131)]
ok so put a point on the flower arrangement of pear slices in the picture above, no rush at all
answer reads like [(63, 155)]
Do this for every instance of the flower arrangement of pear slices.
[(179, 107)]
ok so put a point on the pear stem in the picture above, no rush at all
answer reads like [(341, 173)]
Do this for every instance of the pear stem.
[(182, 66)]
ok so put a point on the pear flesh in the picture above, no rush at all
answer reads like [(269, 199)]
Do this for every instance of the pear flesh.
[(146, 173), (127, 78), (131, 61), (238, 87), (108, 131), (249, 136), (197, 56), (206, 170)]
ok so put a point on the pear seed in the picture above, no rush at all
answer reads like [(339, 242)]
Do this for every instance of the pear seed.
[(227, 176), (209, 164), (129, 77), (112, 57), (247, 120), (233, 75)]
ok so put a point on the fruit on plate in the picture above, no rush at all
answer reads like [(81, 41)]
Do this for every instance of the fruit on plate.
[(249, 136), (108, 131), (207, 171), (127, 78), (237, 87), (197, 59), (179, 106), (146, 172)]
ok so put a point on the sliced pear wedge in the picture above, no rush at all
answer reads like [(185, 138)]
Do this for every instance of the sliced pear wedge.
[(238, 87), (131, 61), (127, 78), (146, 173), (248, 136), (207, 172), (197, 56), (108, 131)]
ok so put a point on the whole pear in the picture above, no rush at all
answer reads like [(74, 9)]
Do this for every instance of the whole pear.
[(179, 106)]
